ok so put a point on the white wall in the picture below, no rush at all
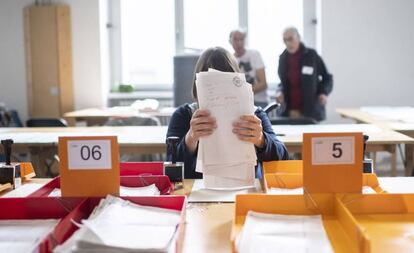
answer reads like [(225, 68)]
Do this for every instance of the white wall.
[(12, 56), (368, 45), (86, 51)]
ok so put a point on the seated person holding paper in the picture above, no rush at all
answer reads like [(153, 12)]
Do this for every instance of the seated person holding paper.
[(190, 123)]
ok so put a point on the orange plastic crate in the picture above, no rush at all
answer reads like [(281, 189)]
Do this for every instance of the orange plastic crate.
[(353, 222), (289, 174)]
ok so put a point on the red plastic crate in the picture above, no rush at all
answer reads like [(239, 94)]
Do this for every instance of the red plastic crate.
[(140, 168), (178, 203), (162, 182), (43, 208)]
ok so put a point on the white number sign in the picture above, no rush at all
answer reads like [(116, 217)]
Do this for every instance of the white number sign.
[(333, 150), (89, 154)]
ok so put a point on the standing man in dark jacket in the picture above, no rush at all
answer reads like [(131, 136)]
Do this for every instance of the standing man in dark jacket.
[(304, 80)]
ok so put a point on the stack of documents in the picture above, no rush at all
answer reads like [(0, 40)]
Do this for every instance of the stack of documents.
[(299, 191), (224, 160), (118, 225), (24, 235), (282, 233), (150, 190)]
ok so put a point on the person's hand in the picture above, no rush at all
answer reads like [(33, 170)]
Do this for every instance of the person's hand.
[(280, 98), (323, 99), (201, 124), (249, 128)]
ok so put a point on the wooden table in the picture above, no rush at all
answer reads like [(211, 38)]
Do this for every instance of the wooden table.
[(380, 139), (400, 119), (41, 143), (98, 116), (151, 139), (208, 225)]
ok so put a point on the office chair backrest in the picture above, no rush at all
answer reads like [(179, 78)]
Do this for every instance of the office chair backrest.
[(184, 66), (46, 122), (293, 121), (286, 120)]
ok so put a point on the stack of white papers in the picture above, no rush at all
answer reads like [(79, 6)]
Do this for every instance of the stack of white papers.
[(224, 160), (282, 233), (286, 191), (299, 191), (199, 193), (118, 225), (150, 190), (24, 235)]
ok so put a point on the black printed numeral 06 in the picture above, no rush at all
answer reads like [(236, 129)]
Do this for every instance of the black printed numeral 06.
[(337, 150), (95, 152)]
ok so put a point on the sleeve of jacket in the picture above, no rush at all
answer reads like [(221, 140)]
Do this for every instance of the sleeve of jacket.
[(326, 80), (273, 149), (281, 86), (179, 126)]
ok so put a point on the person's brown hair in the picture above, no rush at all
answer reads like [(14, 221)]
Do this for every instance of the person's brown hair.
[(217, 58)]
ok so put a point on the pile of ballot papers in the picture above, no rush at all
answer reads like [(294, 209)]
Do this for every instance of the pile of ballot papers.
[(224, 160), (299, 191), (282, 233), (150, 190), (21, 236), (117, 225)]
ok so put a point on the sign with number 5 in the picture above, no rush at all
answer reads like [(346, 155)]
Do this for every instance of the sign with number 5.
[(332, 162)]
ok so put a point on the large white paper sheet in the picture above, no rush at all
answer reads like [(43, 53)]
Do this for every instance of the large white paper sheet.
[(24, 235), (403, 114), (23, 191), (201, 194), (283, 233), (299, 191), (150, 190)]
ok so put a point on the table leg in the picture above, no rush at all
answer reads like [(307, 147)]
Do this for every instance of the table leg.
[(393, 152), (409, 159)]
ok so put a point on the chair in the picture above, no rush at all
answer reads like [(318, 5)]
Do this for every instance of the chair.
[(9, 118), (278, 120), (133, 121), (136, 121), (51, 158), (46, 122)]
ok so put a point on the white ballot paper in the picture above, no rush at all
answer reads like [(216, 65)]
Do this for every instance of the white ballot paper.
[(24, 235), (224, 160), (150, 190), (282, 233), (118, 225), (299, 191)]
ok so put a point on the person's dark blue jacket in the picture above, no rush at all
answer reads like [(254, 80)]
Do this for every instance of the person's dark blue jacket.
[(180, 124), (320, 81)]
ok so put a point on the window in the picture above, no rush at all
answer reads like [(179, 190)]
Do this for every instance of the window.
[(151, 32), (147, 41), (201, 30), (266, 21)]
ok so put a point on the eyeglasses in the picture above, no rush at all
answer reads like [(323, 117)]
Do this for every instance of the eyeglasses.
[(288, 39)]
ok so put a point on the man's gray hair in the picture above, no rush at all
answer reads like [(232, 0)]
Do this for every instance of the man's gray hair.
[(239, 30), (292, 29)]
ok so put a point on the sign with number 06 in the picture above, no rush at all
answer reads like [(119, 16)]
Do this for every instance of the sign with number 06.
[(89, 154), (89, 165)]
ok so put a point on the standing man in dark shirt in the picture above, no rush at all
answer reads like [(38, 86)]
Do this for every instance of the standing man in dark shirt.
[(304, 80)]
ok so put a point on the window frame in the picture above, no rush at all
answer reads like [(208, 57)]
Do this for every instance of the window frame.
[(115, 45)]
